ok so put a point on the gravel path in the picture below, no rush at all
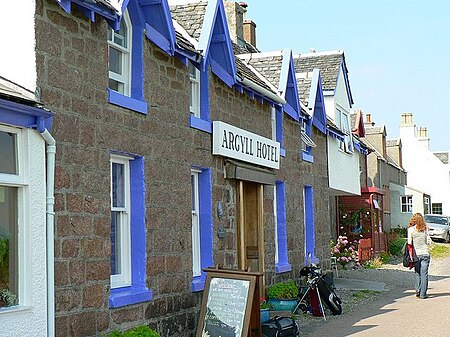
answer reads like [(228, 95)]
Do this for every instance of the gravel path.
[(392, 274)]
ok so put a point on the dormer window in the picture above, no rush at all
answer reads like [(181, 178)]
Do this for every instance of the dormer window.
[(342, 122), (119, 47), (194, 101)]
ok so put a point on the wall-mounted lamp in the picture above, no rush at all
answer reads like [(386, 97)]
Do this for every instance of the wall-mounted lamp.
[(219, 210)]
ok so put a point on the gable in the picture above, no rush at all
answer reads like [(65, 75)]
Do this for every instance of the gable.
[(317, 103), (288, 85), (215, 43)]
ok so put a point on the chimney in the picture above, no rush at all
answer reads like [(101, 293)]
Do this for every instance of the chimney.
[(250, 32), (422, 137), (368, 121), (235, 19), (407, 119)]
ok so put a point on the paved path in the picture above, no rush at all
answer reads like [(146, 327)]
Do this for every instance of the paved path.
[(398, 312)]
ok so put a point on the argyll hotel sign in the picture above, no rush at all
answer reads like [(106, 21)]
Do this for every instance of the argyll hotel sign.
[(232, 142)]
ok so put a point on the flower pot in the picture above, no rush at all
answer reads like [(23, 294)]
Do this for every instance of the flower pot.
[(265, 315), (283, 304)]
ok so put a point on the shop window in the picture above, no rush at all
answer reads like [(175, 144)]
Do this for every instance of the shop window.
[(202, 226), (281, 252), (128, 244), (12, 201), (407, 204), (126, 65)]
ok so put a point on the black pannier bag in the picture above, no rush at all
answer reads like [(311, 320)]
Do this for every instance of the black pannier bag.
[(280, 327)]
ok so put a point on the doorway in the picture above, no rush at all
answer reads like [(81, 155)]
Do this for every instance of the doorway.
[(250, 227)]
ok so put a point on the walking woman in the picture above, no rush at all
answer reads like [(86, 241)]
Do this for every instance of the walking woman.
[(418, 238)]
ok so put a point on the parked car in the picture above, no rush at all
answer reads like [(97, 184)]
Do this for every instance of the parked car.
[(439, 226)]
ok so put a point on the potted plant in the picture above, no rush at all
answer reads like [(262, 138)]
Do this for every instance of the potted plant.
[(265, 308), (7, 298), (283, 295)]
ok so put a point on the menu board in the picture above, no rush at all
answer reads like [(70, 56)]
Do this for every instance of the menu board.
[(226, 306)]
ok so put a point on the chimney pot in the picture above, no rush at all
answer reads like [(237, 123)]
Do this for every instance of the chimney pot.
[(368, 118)]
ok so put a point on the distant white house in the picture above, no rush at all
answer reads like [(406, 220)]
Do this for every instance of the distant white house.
[(426, 170)]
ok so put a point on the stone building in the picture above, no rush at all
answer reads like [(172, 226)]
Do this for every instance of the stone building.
[(173, 155)]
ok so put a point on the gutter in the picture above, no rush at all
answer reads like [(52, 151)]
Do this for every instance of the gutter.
[(263, 91), (50, 202)]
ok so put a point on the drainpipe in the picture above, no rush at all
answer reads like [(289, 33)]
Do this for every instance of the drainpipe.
[(50, 201)]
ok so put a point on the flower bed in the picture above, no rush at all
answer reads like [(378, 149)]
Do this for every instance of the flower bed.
[(345, 252)]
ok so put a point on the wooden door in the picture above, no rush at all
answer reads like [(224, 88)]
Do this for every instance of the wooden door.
[(251, 228)]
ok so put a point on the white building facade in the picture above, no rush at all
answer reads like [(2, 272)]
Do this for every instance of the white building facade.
[(426, 172)]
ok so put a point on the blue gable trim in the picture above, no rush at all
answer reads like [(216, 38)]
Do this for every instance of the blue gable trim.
[(22, 115), (335, 134), (288, 85), (318, 102), (159, 26), (343, 71), (89, 9), (215, 43), (360, 147)]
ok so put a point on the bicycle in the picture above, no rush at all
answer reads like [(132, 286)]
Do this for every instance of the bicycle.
[(315, 281)]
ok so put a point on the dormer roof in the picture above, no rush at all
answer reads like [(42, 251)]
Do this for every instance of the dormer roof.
[(331, 65), (278, 68)]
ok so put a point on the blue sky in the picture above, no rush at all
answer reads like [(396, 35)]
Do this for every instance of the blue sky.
[(397, 53)]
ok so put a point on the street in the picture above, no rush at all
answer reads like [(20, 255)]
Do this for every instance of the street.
[(398, 312)]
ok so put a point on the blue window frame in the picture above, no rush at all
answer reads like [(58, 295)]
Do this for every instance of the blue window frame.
[(202, 122), (310, 236), (126, 66), (281, 250), (202, 225), (307, 143), (134, 290)]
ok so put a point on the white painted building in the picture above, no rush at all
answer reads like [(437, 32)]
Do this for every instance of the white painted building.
[(24, 217), (343, 158), (426, 172)]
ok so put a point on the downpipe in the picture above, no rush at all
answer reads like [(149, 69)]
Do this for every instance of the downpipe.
[(50, 219)]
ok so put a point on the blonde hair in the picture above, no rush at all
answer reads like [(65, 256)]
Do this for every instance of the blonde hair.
[(418, 221)]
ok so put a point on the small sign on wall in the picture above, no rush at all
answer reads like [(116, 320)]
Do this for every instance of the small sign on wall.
[(232, 142)]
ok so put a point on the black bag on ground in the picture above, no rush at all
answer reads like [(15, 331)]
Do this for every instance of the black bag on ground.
[(280, 327)]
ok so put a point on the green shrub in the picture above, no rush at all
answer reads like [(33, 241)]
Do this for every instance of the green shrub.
[(140, 331), (385, 257), (283, 290), (396, 245)]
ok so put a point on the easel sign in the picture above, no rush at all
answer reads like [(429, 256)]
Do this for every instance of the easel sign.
[(227, 304)]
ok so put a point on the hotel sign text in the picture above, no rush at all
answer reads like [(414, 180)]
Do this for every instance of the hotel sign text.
[(230, 141)]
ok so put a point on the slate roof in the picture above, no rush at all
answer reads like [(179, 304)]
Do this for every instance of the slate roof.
[(11, 90), (304, 87), (268, 66), (190, 17), (443, 156), (327, 62)]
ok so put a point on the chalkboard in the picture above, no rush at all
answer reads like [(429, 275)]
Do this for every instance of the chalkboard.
[(227, 304)]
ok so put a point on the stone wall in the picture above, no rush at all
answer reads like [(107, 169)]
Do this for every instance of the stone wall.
[(72, 58)]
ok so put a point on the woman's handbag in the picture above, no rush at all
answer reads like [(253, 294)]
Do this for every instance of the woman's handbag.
[(406, 257)]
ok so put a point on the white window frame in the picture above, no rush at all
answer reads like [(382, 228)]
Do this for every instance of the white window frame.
[(348, 141), (20, 181), (123, 79), (273, 122), (436, 206), (426, 201), (196, 252), (194, 79), (122, 279), (407, 203)]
